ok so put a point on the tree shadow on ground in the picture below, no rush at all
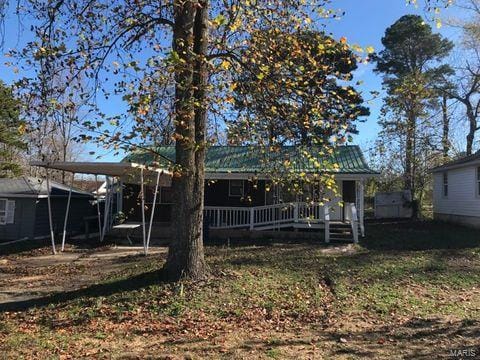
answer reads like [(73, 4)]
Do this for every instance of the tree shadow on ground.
[(419, 236), (98, 290), (417, 338), (22, 246)]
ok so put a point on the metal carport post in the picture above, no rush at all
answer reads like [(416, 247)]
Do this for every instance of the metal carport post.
[(110, 169)]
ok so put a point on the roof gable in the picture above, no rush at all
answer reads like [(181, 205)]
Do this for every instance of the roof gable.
[(244, 159), (461, 162), (35, 187)]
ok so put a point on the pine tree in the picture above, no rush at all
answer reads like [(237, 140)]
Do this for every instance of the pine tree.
[(11, 129)]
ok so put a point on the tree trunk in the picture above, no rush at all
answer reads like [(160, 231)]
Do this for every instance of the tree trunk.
[(185, 255), (472, 128), (409, 161), (409, 153), (446, 128)]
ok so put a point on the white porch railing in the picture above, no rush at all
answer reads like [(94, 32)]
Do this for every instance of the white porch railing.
[(258, 216), (351, 216), (279, 215)]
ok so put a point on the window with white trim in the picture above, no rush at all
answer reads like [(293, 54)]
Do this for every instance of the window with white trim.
[(3, 211), (235, 188), (445, 184), (478, 181), (7, 211)]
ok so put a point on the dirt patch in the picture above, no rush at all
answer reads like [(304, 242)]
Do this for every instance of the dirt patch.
[(29, 277)]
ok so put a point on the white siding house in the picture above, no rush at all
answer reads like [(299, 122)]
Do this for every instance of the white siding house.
[(456, 191)]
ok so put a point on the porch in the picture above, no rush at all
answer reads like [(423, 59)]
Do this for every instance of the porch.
[(238, 203), (294, 215)]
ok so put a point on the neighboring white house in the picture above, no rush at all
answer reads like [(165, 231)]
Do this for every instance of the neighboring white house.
[(456, 191)]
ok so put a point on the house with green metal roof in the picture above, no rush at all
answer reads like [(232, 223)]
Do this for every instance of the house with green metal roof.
[(243, 161), (240, 194)]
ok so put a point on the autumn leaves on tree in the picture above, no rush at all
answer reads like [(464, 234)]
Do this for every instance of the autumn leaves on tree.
[(208, 59), (412, 69)]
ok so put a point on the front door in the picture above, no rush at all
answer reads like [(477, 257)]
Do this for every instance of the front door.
[(349, 193)]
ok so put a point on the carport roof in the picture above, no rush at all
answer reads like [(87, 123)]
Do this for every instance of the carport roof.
[(97, 168), (128, 171)]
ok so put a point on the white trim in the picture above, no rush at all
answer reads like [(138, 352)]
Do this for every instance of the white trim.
[(10, 212), (24, 196), (3, 218)]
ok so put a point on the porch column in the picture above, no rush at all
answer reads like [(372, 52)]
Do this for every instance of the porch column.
[(119, 196), (152, 214), (361, 202), (106, 208), (50, 220), (327, 223), (97, 198), (142, 192), (66, 213)]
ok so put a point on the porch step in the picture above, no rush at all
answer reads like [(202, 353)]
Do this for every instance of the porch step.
[(341, 232)]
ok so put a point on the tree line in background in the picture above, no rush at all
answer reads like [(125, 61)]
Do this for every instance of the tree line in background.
[(432, 102), (36, 134)]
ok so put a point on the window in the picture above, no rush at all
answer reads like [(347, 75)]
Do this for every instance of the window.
[(7, 211), (445, 184), (235, 188), (3, 211), (478, 181)]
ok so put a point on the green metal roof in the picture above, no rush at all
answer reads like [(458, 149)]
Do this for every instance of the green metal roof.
[(247, 159)]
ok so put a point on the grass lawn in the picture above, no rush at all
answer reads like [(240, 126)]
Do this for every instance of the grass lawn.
[(408, 290)]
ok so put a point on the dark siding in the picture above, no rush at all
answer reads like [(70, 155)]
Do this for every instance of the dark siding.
[(132, 206), (79, 209), (216, 194), (24, 221)]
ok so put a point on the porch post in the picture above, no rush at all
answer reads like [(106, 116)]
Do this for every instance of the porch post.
[(361, 209), (327, 223), (97, 198), (143, 211), (66, 213), (119, 196), (50, 221), (153, 212), (106, 209), (252, 217)]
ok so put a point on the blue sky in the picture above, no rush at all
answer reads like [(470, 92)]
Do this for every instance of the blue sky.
[(364, 24)]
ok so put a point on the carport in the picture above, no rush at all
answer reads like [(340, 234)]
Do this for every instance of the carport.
[(115, 174)]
